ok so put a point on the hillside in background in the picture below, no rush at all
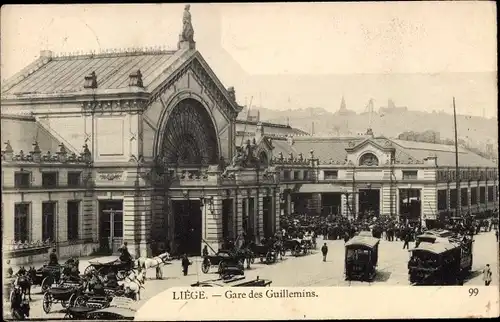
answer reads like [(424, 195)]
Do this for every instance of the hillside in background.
[(473, 131)]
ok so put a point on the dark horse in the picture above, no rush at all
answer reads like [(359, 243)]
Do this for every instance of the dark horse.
[(19, 307), (23, 281)]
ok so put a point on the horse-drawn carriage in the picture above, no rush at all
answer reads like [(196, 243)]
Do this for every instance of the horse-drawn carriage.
[(65, 294), (118, 267), (295, 246), (267, 252), (361, 257), (101, 308), (222, 259), (45, 276)]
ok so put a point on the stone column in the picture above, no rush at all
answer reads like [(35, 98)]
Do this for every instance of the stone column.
[(239, 213), (212, 223), (289, 203)]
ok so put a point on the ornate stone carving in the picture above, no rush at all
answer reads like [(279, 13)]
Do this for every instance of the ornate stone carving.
[(368, 159), (352, 144), (110, 176), (187, 26), (112, 106), (245, 156)]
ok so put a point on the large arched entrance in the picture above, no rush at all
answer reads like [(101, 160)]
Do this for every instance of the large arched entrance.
[(189, 141)]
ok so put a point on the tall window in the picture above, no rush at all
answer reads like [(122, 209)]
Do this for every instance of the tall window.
[(482, 194), (473, 196), (306, 175), (22, 179), (296, 175), (49, 179), (21, 222), (453, 198), (464, 196), (490, 194), (442, 200), (286, 175), (74, 179), (73, 218), (48, 220)]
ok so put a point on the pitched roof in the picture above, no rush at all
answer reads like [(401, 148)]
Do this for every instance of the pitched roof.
[(333, 149), (23, 131), (66, 74)]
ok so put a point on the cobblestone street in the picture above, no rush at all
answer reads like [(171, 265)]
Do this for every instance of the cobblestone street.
[(303, 271)]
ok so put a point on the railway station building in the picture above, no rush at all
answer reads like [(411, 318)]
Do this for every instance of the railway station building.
[(144, 146)]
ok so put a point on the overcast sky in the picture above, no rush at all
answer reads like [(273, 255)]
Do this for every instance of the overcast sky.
[(295, 54)]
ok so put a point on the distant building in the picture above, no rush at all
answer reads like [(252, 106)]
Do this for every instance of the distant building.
[(392, 108), (343, 111)]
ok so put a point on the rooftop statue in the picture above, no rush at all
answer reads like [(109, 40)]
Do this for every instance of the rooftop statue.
[(187, 27)]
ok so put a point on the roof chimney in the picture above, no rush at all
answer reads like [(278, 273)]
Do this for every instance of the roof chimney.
[(90, 81), (45, 54)]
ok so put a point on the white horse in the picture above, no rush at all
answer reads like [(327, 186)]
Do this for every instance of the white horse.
[(134, 282), (157, 262)]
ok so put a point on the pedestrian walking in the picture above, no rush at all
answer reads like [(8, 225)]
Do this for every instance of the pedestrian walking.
[(496, 234), (324, 250), (185, 264), (487, 275), (407, 240)]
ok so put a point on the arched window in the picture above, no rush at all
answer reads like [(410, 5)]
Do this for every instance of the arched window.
[(263, 159), (368, 159)]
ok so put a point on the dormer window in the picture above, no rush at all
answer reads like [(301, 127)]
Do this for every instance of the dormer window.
[(368, 159)]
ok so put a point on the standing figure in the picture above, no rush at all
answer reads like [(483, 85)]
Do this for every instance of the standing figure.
[(487, 275), (407, 238), (53, 260), (185, 264), (187, 27), (324, 251)]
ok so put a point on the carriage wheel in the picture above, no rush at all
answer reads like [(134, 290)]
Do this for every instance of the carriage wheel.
[(205, 267), (221, 267), (47, 283), (47, 302), (89, 269), (79, 301), (72, 299), (120, 275)]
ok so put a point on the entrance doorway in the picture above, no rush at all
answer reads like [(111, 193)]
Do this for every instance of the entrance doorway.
[(331, 204), (267, 216), (110, 225), (410, 205), (187, 226), (369, 202)]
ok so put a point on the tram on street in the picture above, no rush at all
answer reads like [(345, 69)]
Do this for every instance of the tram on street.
[(440, 258), (361, 257)]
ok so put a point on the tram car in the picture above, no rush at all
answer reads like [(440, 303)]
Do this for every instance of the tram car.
[(440, 257), (361, 258)]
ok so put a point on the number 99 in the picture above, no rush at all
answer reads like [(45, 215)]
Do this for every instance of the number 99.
[(473, 291)]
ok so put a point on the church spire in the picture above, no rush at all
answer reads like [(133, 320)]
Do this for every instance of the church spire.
[(342, 104)]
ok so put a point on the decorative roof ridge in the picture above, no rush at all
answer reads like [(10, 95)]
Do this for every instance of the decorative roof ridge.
[(325, 138), (435, 145), (264, 123), (115, 52), (23, 117)]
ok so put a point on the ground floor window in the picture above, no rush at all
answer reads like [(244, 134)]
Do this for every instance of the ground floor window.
[(453, 198), (73, 219), (442, 200), (482, 194), (48, 220), (473, 196), (490, 194), (21, 222), (464, 196), (410, 203)]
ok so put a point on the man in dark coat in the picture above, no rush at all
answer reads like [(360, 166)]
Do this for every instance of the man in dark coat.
[(324, 251), (185, 264), (53, 260), (407, 238)]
